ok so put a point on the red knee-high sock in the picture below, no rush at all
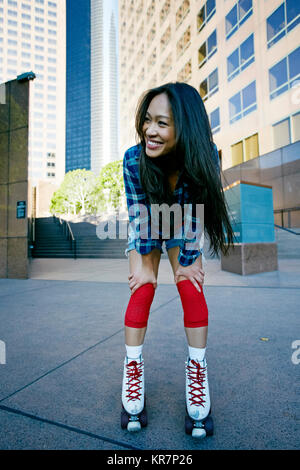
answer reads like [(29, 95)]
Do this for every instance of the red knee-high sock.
[(138, 309), (195, 313)]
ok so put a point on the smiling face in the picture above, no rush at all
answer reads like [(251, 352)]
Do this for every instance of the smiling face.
[(158, 127)]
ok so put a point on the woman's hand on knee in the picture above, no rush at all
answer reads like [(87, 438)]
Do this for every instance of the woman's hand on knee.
[(193, 273), (141, 277)]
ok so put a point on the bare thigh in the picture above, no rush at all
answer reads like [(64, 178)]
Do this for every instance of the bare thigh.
[(173, 258), (135, 260)]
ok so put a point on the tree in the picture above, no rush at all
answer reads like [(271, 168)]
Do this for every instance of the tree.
[(75, 193), (111, 186)]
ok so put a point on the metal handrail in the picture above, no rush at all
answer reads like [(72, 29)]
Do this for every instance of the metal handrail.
[(287, 229), (288, 210), (67, 231)]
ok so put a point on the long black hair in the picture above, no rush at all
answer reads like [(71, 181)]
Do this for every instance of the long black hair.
[(194, 153)]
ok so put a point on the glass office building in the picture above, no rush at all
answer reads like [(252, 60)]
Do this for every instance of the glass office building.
[(78, 91), (92, 84)]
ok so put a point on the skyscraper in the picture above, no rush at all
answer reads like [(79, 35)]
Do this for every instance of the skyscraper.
[(241, 55), (32, 37), (92, 84)]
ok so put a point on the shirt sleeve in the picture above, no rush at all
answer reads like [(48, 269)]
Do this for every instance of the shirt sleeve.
[(138, 208)]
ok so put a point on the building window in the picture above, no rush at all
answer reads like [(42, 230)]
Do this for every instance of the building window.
[(209, 86), (152, 59), (165, 11), (151, 35), (282, 21), (241, 58), (208, 48), (283, 75), (151, 10), (245, 150), (251, 147), (296, 127), (237, 153), (241, 11), (206, 13), (182, 12), (214, 119), (281, 133), (242, 103), (184, 42), (165, 39), (186, 72), (166, 66), (286, 131)]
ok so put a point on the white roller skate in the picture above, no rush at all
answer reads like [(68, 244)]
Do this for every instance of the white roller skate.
[(133, 415), (198, 421)]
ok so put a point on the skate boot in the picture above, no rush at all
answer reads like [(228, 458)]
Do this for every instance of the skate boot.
[(198, 421), (134, 415)]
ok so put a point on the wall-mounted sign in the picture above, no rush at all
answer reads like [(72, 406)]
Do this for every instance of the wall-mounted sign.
[(21, 209)]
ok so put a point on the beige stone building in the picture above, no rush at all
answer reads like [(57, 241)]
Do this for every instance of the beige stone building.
[(33, 38), (241, 55)]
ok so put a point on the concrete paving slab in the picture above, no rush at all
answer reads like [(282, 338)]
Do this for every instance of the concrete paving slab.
[(116, 270), (253, 382), (19, 432)]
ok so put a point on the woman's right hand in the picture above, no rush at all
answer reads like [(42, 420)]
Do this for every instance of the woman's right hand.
[(140, 277)]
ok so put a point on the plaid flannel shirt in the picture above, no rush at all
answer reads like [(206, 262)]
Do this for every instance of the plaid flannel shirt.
[(135, 195)]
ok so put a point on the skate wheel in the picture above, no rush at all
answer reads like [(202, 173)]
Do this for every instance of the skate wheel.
[(189, 424), (143, 418), (124, 419), (198, 433), (134, 426), (209, 426)]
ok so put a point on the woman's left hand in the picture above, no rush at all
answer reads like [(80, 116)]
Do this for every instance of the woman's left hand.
[(194, 273)]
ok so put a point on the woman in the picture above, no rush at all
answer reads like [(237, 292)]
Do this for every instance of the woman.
[(175, 162)]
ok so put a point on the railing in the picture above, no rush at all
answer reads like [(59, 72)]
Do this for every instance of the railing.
[(288, 210), (31, 235), (67, 232), (287, 229)]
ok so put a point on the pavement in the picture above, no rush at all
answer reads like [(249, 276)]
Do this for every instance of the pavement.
[(62, 344)]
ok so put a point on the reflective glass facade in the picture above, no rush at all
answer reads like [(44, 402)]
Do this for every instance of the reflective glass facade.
[(78, 90)]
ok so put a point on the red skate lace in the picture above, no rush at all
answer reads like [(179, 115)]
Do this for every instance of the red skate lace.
[(196, 374), (134, 372)]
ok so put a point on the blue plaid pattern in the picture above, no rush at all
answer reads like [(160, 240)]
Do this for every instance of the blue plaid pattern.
[(135, 195)]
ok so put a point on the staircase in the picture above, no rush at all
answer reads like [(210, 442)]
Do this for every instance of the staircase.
[(288, 244), (88, 245), (50, 240), (52, 243)]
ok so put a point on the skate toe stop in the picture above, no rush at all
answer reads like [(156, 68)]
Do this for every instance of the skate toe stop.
[(134, 426), (199, 433)]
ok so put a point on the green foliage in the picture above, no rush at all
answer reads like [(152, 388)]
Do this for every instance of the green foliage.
[(81, 191), (111, 184)]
